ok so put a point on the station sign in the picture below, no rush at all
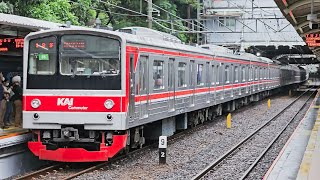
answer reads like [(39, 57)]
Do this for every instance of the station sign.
[(313, 40), (8, 44)]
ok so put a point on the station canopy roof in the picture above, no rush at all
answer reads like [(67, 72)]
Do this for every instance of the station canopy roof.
[(13, 25), (296, 12)]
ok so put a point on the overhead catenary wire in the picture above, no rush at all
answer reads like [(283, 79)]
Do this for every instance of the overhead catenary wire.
[(114, 13), (121, 14), (266, 25), (108, 3), (144, 15)]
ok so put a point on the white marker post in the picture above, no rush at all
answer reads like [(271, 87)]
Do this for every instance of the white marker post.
[(162, 149)]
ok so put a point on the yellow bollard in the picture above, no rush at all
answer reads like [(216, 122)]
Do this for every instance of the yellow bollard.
[(229, 121), (269, 103)]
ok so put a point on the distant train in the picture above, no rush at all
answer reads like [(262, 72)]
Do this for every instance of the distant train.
[(90, 94)]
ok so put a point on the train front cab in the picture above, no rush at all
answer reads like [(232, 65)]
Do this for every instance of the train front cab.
[(75, 95)]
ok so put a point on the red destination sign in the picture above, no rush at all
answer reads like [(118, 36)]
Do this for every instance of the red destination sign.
[(74, 44), (44, 45), (11, 44), (313, 40)]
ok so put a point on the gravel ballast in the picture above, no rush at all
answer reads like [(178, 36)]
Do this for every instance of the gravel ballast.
[(236, 164), (189, 155)]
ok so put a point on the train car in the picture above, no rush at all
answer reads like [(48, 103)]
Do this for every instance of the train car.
[(90, 94)]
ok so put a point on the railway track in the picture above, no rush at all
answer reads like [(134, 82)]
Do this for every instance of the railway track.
[(236, 150), (63, 170), (60, 170)]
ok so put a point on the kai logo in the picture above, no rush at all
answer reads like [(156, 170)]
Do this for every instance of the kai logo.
[(65, 102)]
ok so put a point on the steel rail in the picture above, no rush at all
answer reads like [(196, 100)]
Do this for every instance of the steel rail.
[(153, 145), (174, 137), (92, 168), (234, 148), (39, 172), (249, 170)]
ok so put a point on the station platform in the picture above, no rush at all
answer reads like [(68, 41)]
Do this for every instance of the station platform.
[(15, 157), (12, 136), (300, 157), (11, 131)]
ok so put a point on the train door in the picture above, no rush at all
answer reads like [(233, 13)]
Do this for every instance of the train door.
[(251, 79), (143, 86), (171, 84), (222, 80), (227, 88), (246, 78), (232, 80), (132, 90), (192, 83), (213, 81), (207, 84)]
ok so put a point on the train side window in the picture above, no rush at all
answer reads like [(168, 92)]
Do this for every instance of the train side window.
[(227, 74), (236, 74), (256, 74), (252, 73), (265, 73), (182, 74), (213, 75), (171, 73), (218, 74), (200, 77), (261, 73), (143, 73), (208, 74), (158, 76), (243, 74)]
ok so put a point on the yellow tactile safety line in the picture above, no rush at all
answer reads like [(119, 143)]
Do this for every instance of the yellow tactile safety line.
[(306, 163)]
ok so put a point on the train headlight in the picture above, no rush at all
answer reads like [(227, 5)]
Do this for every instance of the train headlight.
[(109, 104), (35, 103)]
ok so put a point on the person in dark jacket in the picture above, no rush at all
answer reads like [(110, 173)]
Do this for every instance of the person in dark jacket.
[(7, 91), (1, 86), (17, 100), (2, 102)]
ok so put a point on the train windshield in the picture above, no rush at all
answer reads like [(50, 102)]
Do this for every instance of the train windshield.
[(77, 61), (86, 55), (42, 56)]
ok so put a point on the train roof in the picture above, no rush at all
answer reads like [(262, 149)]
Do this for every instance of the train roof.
[(216, 48), (140, 39)]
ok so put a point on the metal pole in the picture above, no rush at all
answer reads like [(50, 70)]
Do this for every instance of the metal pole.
[(198, 19), (140, 6), (252, 9), (172, 28), (312, 6), (150, 14)]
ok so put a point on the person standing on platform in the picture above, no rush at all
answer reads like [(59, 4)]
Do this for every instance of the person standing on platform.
[(2, 102), (5, 108), (17, 100), (7, 91), (1, 86)]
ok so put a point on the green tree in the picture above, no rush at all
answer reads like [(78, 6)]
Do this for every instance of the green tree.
[(55, 11), (84, 12), (6, 7)]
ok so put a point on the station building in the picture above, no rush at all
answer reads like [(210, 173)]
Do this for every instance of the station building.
[(13, 29)]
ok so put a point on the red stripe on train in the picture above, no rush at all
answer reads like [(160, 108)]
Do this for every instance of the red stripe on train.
[(72, 103), (198, 90)]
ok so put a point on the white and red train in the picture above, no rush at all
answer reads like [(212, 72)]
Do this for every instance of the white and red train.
[(91, 93)]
